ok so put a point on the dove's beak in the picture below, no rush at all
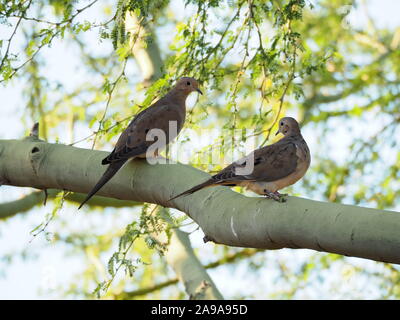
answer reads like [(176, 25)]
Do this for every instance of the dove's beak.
[(199, 91), (277, 132)]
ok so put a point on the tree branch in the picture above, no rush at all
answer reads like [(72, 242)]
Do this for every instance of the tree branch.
[(245, 253), (9, 209), (146, 53), (181, 257), (226, 217)]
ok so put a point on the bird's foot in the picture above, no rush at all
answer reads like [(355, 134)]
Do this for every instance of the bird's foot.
[(280, 197)]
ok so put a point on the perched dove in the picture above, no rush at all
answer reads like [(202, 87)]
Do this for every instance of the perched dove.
[(132, 142), (275, 166)]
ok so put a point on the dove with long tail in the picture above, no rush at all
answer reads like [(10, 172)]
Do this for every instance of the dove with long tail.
[(274, 167), (132, 142)]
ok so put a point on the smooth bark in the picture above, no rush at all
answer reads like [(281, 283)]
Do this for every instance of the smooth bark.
[(225, 216)]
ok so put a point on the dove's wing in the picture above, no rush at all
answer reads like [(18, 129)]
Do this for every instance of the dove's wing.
[(270, 163), (133, 142)]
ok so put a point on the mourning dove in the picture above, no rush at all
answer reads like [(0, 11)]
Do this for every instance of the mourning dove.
[(275, 166), (132, 142)]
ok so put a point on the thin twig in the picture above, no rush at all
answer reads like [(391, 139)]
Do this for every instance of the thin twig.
[(13, 34), (16, 69)]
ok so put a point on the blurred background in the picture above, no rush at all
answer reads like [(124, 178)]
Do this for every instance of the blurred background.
[(82, 69)]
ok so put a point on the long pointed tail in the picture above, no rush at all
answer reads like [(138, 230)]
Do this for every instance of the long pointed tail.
[(107, 175), (208, 183)]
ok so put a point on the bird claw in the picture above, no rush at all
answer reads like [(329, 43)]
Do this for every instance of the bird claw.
[(280, 197)]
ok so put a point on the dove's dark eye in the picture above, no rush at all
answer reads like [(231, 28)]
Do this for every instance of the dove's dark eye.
[(281, 123), (188, 83)]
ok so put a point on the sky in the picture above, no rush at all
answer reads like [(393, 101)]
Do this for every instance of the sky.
[(39, 278)]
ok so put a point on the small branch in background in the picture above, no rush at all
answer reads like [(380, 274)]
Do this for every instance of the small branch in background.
[(110, 92), (23, 205), (71, 126), (201, 291), (282, 97), (229, 259), (58, 29), (102, 130), (146, 53), (41, 228), (188, 268), (9, 40), (46, 195), (35, 131)]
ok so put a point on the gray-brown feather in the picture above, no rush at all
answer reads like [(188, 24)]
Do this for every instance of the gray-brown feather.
[(271, 163), (133, 140), (133, 143)]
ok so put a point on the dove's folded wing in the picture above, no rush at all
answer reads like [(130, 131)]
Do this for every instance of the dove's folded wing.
[(269, 164), (135, 140)]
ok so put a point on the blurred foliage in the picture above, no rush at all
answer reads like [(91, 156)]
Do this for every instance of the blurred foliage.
[(257, 61)]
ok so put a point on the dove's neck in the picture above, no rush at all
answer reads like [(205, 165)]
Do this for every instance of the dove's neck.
[(293, 135), (178, 96), (294, 132)]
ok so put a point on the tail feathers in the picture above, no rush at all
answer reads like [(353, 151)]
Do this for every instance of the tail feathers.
[(208, 183), (108, 174)]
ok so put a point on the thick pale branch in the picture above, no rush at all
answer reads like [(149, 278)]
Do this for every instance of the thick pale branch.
[(225, 216)]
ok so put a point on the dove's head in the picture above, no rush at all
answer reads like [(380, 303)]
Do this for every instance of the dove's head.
[(188, 85), (288, 126)]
